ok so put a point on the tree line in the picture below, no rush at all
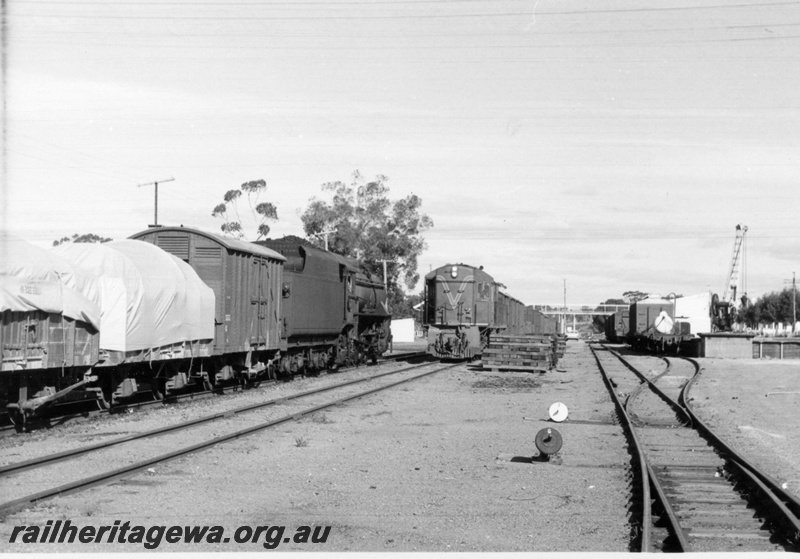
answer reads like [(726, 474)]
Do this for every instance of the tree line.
[(772, 307)]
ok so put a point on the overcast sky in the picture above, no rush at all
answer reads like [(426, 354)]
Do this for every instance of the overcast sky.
[(613, 144)]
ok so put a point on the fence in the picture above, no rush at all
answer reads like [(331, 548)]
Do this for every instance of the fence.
[(776, 348)]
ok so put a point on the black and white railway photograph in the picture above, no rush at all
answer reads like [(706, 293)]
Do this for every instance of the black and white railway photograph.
[(400, 276)]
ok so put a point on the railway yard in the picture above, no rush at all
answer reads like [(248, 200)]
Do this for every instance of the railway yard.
[(445, 461), (410, 276)]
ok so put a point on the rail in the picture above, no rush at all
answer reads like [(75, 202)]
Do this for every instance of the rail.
[(130, 469), (705, 491), (642, 510)]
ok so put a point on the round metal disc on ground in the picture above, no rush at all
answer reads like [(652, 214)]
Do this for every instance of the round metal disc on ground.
[(558, 412), (548, 441)]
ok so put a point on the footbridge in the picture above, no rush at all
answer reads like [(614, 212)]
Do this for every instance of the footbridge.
[(579, 310)]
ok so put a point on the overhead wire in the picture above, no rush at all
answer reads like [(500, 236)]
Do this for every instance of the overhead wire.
[(301, 3), (330, 17)]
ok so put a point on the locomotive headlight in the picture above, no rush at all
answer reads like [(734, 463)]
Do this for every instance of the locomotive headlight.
[(454, 272)]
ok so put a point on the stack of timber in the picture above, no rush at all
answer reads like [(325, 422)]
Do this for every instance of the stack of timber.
[(558, 343), (520, 353), (561, 344)]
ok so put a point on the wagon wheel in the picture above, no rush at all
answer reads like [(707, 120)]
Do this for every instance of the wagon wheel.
[(17, 418), (158, 387), (255, 382), (208, 384), (241, 381), (104, 395), (103, 402)]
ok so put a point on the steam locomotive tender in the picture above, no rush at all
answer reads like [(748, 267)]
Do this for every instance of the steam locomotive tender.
[(334, 312)]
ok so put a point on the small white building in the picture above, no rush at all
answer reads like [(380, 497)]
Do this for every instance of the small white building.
[(403, 330)]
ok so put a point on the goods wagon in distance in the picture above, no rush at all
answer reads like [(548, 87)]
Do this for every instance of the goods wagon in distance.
[(538, 323), (652, 326), (617, 325)]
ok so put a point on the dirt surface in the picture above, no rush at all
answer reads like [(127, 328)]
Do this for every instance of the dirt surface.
[(755, 407), (439, 464)]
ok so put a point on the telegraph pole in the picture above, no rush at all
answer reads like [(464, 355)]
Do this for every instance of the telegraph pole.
[(325, 234), (385, 280), (564, 321), (155, 211)]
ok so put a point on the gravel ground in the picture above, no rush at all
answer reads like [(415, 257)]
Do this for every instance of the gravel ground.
[(438, 464), (755, 407)]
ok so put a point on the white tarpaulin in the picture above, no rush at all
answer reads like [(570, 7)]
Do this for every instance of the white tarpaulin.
[(32, 278), (149, 298)]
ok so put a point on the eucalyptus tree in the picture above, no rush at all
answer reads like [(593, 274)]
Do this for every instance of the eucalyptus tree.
[(360, 220), (261, 213)]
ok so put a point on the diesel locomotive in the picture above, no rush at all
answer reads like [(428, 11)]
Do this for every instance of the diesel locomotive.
[(174, 307), (464, 306)]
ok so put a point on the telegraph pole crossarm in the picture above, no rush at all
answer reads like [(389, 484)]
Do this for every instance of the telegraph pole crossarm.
[(155, 210), (325, 235)]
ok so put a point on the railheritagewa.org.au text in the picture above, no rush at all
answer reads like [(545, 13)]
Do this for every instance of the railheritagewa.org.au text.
[(61, 532)]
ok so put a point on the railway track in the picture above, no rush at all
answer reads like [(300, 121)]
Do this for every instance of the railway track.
[(7, 426), (694, 492), (170, 442)]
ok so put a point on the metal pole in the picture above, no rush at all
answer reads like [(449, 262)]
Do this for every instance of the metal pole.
[(385, 275), (564, 322)]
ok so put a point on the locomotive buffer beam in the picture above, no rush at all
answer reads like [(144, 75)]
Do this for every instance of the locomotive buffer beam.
[(27, 407)]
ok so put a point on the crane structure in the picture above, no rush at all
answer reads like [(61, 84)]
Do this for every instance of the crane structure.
[(738, 257), (723, 312)]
